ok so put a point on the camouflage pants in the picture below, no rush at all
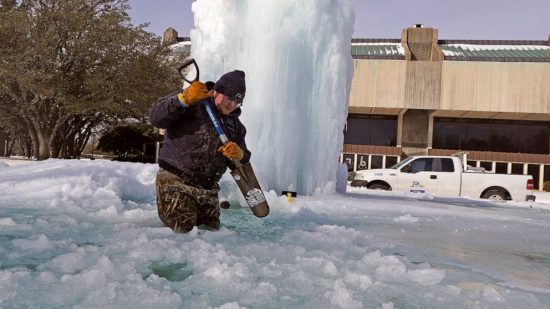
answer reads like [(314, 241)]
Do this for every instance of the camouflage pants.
[(181, 207)]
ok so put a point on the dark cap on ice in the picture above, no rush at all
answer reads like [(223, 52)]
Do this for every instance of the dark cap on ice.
[(232, 85)]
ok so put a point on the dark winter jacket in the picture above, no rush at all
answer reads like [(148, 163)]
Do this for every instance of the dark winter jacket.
[(190, 142)]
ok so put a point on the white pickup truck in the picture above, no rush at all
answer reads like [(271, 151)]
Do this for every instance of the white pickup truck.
[(446, 176)]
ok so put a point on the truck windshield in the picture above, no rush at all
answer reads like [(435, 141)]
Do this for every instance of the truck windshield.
[(401, 163)]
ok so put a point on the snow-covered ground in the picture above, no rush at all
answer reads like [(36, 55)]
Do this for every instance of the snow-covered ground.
[(86, 234)]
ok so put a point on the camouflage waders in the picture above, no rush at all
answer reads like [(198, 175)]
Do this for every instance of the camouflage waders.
[(181, 207)]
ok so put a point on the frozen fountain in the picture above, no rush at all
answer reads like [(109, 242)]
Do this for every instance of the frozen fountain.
[(297, 59)]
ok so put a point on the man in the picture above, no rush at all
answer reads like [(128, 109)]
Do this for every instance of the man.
[(192, 159)]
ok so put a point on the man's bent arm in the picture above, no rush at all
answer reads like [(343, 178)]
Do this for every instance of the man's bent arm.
[(166, 111)]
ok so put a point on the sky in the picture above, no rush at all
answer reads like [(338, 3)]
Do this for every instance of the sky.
[(86, 234), (455, 19)]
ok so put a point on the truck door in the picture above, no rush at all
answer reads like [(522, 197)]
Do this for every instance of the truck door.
[(417, 176), (448, 177)]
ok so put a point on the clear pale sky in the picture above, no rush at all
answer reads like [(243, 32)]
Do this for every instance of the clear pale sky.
[(455, 19)]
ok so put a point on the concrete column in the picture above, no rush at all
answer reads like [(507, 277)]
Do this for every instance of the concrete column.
[(170, 36), (415, 132), (431, 129), (541, 177), (400, 127), (420, 43)]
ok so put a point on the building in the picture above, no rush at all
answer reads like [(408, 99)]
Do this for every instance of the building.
[(422, 95)]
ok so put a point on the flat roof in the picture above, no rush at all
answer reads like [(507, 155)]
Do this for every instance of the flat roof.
[(453, 50), (458, 50)]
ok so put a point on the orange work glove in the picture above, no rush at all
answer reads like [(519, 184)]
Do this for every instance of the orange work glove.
[(196, 92), (232, 151)]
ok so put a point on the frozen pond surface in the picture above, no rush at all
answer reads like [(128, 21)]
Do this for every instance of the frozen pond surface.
[(86, 234)]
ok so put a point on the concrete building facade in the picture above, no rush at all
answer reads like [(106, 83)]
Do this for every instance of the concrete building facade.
[(422, 95)]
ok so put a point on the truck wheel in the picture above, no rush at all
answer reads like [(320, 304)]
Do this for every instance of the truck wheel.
[(379, 186), (495, 195)]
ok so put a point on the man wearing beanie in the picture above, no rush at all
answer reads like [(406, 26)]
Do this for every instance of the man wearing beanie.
[(192, 159)]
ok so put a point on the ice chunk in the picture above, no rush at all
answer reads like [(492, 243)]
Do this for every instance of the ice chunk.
[(341, 297), (428, 276), (36, 243), (406, 219), (7, 222)]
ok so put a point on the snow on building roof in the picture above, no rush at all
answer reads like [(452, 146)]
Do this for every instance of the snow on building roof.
[(496, 52), (377, 50), (453, 50), (181, 47)]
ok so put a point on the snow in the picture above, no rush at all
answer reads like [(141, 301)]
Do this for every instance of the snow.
[(180, 45), (77, 233), (473, 47), (542, 198), (296, 101), (397, 48)]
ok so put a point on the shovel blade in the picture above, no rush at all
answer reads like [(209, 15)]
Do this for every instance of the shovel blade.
[(250, 188)]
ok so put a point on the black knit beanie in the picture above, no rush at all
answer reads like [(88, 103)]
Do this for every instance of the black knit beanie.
[(232, 85)]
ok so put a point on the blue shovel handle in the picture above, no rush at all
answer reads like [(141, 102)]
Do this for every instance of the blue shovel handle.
[(215, 122)]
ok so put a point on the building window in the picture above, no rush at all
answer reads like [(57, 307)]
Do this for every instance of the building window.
[(390, 161), (446, 135), (505, 137), (487, 165), (371, 130), (376, 161), (492, 135), (501, 168), (475, 136), (362, 162), (535, 139), (517, 169), (534, 170), (349, 159)]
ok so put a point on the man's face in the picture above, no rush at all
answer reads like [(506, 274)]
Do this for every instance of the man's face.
[(223, 104)]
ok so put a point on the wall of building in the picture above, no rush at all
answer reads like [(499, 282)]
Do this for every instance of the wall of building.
[(423, 84), (515, 87), (503, 87), (378, 83)]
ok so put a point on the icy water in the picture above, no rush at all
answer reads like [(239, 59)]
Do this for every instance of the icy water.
[(91, 238)]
